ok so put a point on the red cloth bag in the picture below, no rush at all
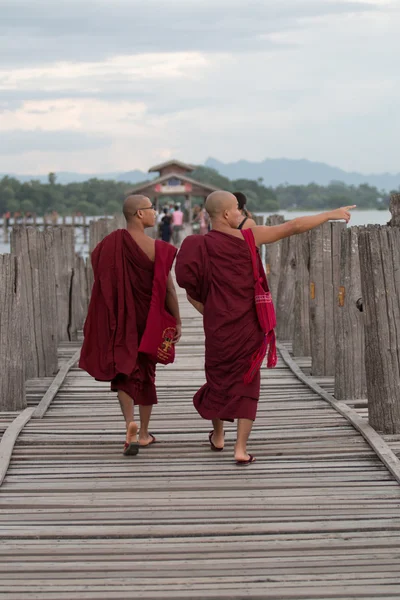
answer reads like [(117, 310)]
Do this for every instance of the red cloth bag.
[(265, 311), (157, 339)]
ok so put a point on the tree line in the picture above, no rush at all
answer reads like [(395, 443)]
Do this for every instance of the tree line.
[(97, 197)]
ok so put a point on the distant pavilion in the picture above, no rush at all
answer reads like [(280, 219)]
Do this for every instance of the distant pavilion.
[(174, 180)]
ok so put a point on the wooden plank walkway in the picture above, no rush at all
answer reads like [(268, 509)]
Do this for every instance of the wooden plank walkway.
[(316, 517)]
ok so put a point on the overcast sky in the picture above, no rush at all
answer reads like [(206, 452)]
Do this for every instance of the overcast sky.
[(97, 86)]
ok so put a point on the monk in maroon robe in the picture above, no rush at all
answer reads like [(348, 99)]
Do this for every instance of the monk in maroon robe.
[(126, 265), (216, 272)]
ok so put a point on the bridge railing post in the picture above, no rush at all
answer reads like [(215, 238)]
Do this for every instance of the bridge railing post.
[(379, 249), (79, 297), (324, 278), (350, 378), (12, 371), (273, 253), (285, 302), (38, 300), (63, 248), (301, 333)]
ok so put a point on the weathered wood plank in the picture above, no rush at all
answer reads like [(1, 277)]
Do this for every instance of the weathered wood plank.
[(12, 369), (301, 334), (324, 250), (273, 253), (379, 261), (350, 378), (38, 300)]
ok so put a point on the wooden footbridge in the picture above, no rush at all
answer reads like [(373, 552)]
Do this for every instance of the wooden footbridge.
[(316, 517)]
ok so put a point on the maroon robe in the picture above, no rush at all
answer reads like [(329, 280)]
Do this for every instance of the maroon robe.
[(216, 270), (118, 310)]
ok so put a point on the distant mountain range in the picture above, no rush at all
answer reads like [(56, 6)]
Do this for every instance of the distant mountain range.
[(276, 171), (273, 171)]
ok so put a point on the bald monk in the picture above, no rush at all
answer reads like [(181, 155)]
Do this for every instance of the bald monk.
[(132, 278), (217, 273)]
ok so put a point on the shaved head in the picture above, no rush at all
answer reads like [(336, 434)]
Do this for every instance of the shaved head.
[(219, 202), (132, 204)]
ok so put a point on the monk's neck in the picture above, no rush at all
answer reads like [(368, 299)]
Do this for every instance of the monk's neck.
[(223, 228), (136, 231)]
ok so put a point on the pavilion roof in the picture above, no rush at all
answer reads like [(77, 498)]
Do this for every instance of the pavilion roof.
[(178, 163)]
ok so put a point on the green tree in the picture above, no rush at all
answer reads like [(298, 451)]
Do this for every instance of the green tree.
[(213, 178), (27, 206)]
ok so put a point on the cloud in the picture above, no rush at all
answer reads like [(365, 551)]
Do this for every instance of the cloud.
[(42, 32), (128, 86), (24, 142)]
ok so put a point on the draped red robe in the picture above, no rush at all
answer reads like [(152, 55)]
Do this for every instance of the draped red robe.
[(117, 315), (216, 270)]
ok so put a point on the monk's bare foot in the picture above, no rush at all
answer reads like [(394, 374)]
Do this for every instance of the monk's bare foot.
[(131, 446), (132, 432), (146, 439), (217, 440), (242, 456)]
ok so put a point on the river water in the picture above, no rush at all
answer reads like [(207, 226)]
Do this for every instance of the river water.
[(359, 217)]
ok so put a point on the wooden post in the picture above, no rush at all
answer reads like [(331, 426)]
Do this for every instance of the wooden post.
[(12, 371), (63, 247), (379, 249), (64, 220), (45, 222), (5, 231), (301, 335), (85, 230), (79, 297), (324, 280), (286, 290), (395, 209), (34, 219), (98, 231), (118, 222), (259, 219), (350, 378), (273, 259), (38, 300)]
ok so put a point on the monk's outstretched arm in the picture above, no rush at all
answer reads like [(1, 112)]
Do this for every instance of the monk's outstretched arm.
[(197, 305), (267, 235), (172, 304)]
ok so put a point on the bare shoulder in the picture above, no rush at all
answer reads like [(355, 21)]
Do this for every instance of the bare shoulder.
[(146, 244), (249, 224)]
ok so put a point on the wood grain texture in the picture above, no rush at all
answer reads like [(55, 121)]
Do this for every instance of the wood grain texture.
[(395, 209), (12, 367), (324, 277), (350, 378), (379, 249), (38, 300), (285, 303), (273, 255), (301, 332)]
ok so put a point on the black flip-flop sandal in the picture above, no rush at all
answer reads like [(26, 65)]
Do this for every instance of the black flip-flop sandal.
[(213, 447), (244, 463), (131, 448), (153, 441)]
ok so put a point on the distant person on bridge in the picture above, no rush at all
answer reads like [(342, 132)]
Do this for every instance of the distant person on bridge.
[(133, 319), (177, 225), (247, 222), (224, 278)]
